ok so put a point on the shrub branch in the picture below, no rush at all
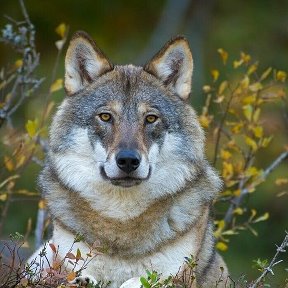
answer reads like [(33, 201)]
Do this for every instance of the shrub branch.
[(236, 202), (268, 269)]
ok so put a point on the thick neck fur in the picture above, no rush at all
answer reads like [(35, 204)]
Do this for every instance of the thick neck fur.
[(157, 224)]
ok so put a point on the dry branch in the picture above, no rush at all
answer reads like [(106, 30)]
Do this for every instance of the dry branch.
[(268, 269), (236, 202)]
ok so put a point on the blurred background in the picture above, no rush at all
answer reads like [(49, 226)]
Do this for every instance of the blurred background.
[(131, 32)]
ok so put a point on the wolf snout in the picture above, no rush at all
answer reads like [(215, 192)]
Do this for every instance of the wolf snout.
[(128, 160)]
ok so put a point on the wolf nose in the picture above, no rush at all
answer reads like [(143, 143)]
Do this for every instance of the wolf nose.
[(128, 160)]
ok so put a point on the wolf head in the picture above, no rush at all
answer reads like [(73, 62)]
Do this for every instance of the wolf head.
[(126, 129)]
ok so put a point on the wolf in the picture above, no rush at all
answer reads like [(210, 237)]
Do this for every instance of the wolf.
[(126, 169)]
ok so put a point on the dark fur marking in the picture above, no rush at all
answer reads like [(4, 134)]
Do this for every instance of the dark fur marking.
[(175, 66), (209, 264), (83, 72)]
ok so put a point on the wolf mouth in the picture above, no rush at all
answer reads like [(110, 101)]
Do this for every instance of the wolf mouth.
[(126, 181)]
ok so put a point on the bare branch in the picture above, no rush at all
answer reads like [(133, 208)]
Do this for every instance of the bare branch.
[(236, 202), (21, 37), (268, 269)]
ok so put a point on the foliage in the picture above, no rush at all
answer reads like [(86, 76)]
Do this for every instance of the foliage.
[(62, 271), (240, 137), (233, 116)]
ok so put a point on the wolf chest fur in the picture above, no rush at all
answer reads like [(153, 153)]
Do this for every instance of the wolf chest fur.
[(126, 167)]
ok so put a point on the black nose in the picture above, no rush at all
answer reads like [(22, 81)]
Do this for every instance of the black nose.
[(128, 160)]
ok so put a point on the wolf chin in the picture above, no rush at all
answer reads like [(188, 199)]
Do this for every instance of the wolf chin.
[(126, 168)]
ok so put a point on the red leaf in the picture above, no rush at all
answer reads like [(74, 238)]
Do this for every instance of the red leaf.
[(70, 256), (53, 248)]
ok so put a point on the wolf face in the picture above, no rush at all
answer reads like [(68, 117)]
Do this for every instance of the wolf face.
[(126, 129)]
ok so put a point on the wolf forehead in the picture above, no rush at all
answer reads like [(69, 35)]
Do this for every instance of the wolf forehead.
[(127, 90)]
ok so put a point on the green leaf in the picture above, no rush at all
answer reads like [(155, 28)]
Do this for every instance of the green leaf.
[(144, 282)]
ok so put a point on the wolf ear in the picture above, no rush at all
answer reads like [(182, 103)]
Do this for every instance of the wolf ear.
[(84, 62), (173, 65)]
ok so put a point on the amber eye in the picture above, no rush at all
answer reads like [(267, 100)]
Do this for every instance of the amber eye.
[(151, 119), (105, 117)]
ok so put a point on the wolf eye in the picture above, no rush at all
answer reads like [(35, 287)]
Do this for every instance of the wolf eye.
[(105, 117), (151, 119)]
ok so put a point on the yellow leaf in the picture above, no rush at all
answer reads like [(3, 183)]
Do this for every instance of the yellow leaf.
[(283, 193), (31, 127), (223, 55), (237, 192), (265, 74), (215, 74), (49, 109), (71, 276), (256, 114), (57, 85), (252, 171), (252, 68), (206, 88), (221, 246), (238, 211), (205, 120), (219, 99), (249, 99), (3, 197), (226, 193), (220, 226), (245, 82), (251, 188), (281, 181), (18, 63), (222, 87), (236, 129), (250, 142), (227, 170), (233, 111), (266, 141), (230, 232), (20, 160), (56, 265), (8, 162), (258, 131), (281, 76), (253, 214), (256, 87), (247, 111), (245, 57), (61, 30), (237, 64), (42, 204), (225, 155), (264, 217)]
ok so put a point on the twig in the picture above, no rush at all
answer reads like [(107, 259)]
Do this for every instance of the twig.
[(23, 41), (236, 202), (221, 125), (268, 269)]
